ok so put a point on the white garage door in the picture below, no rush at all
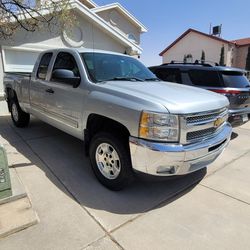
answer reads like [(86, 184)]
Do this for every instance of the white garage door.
[(19, 60)]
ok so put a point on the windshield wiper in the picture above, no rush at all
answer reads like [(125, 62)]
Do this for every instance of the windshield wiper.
[(132, 79), (154, 79)]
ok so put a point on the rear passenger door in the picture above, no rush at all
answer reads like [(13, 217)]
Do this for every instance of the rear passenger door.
[(39, 85)]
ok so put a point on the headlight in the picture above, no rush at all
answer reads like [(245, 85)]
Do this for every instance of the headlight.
[(159, 126)]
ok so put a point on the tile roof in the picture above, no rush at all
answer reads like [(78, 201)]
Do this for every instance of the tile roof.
[(242, 42)]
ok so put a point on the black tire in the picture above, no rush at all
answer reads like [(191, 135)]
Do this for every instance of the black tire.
[(20, 118), (125, 175)]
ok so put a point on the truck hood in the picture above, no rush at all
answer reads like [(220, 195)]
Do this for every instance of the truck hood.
[(176, 98)]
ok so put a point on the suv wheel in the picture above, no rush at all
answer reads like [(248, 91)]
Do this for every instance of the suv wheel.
[(110, 160)]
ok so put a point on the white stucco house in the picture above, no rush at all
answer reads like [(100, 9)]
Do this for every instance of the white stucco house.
[(193, 42), (110, 27)]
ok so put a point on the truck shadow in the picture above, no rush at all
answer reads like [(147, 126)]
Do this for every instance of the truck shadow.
[(62, 156)]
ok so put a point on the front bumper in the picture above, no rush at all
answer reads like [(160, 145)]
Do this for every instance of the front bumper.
[(166, 159)]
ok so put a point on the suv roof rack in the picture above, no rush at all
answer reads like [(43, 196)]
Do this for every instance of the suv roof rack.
[(197, 62)]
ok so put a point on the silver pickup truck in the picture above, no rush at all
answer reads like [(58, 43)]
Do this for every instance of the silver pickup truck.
[(129, 120)]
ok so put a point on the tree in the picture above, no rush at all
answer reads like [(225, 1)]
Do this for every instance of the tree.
[(222, 52), (248, 60), (185, 59), (203, 56), (30, 15), (189, 58)]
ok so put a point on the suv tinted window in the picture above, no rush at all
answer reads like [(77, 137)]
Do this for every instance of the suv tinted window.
[(65, 60), (169, 75), (43, 66), (205, 78), (234, 79)]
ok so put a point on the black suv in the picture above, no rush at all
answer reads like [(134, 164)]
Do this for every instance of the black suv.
[(230, 82)]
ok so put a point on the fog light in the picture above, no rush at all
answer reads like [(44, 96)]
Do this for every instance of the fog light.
[(167, 170)]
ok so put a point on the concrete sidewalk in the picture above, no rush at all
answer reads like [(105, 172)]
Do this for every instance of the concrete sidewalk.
[(205, 210)]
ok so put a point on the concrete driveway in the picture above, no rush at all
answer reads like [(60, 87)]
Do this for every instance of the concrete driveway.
[(205, 210)]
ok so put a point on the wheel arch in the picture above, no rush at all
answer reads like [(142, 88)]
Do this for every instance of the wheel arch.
[(98, 123)]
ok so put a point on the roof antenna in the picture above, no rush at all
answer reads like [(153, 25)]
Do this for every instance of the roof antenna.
[(210, 29)]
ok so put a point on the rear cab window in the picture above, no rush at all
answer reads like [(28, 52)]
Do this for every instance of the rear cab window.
[(43, 66)]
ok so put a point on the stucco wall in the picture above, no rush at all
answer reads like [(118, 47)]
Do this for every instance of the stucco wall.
[(240, 57), (121, 23), (194, 43), (96, 38), (83, 34)]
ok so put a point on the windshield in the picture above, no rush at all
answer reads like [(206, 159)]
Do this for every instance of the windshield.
[(106, 67), (234, 79)]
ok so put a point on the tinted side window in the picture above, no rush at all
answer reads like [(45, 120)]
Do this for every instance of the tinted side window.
[(65, 60), (169, 75), (205, 78), (43, 66)]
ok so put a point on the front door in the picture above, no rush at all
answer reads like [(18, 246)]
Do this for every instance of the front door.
[(67, 102)]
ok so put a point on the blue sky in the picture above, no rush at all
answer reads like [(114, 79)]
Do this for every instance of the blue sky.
[(168, 19)]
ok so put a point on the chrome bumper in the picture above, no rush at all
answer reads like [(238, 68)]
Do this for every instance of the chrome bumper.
[(166, 159), (241, 111)]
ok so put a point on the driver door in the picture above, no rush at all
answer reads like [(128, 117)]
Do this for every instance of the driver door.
[(67, 101)]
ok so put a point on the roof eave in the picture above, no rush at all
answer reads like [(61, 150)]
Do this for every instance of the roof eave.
[(124, 11)]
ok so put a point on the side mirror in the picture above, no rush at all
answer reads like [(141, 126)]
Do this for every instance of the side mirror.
[(65, 76)]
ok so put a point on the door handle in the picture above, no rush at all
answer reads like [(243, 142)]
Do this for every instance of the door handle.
[(51, 91)]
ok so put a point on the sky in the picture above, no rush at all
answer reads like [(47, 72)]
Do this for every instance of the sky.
[(166, 20)]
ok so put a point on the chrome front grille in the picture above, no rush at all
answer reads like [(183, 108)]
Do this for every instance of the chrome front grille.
[(200, 126), (199, 118), (200, 133)]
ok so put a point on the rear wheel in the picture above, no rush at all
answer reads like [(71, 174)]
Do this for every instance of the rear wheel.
[(20, 118), (110, 160)]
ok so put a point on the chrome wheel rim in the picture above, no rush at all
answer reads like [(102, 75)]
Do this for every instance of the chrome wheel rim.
[(14, 112), (108, 161)]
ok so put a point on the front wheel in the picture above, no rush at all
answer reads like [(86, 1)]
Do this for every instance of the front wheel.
[(110, 160), (19, 117)]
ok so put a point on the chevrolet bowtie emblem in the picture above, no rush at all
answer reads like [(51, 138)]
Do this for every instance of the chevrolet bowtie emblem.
[(218, 122)]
